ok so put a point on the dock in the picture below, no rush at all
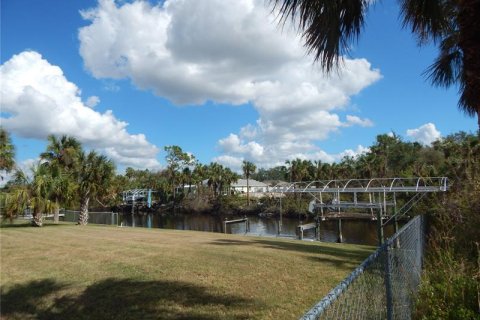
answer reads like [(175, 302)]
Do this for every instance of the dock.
[(350, 216), (242, 220), (308, 226)]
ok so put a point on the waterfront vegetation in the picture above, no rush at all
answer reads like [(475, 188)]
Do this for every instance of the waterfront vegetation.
[(68, 177), (63, 271)]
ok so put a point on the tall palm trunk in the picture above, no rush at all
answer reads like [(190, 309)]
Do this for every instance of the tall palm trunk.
[(56, 212), (83, 217), (469, 43)]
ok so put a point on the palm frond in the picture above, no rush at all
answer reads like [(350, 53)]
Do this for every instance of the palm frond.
[(465, 105), (328, 27), (428, 19), (448, 66)]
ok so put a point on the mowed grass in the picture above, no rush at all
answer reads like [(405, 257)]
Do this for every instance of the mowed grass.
[(99, 272)]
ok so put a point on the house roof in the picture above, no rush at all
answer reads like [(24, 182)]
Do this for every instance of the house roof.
[(277, 183), (251, 183)]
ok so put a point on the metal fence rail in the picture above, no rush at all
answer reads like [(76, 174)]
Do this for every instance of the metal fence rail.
[(384, 285), (93, 217)]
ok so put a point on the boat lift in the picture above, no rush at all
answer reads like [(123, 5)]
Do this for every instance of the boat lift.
[(137, 196), (379, 194)]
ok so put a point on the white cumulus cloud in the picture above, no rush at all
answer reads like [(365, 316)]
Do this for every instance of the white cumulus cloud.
[(354, 120), (234, 163), (38, 100), (92, 101), (234, 52), (233, 145), (353, 153), (425, 134)]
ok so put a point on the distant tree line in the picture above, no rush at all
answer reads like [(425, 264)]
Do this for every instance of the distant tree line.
[(67, 176), (455, 156)]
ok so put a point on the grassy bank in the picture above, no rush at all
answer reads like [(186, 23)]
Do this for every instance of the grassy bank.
[(97, 272)]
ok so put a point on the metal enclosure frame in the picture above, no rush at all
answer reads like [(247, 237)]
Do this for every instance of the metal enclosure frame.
[(382, 196)]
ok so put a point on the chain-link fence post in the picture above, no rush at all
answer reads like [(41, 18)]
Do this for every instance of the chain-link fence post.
[(388, 282)]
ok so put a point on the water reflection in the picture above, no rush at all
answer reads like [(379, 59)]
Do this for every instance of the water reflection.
[(353, 231)]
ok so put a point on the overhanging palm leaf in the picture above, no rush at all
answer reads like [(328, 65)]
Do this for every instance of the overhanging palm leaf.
[(428, 19), (327, 26), (447, 68)]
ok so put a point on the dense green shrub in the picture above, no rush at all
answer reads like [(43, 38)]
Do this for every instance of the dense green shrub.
[(449, 289), (451, 281)]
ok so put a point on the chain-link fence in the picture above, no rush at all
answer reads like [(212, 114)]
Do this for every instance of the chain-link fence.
[(93, 217), (384, 285)]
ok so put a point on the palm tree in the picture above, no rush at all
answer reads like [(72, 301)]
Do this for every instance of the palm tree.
[(325, 172), (41, 193), (94, 173), (177, 160), (365, 165), (248, 168), (198, 175), (299, 169), (291, 169), (329, 27), (215, 171), (60, 159), (7, 152), (31, 193), (62, 191), (346, 168), (62, 152), (187, 178), (16, 201), (228, 177)]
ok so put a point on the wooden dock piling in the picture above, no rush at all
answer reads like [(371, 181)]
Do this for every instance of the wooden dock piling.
[(339, 231), (244, 220)]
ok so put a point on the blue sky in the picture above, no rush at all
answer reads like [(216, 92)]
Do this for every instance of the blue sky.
[(218, 78)]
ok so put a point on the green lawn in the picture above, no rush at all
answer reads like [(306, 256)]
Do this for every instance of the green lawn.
[(99, 272)]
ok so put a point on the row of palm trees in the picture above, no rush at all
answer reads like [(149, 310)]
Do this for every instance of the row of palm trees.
[(218, 177), (68, 176), (185, 173), (65, 174), (456, 156)]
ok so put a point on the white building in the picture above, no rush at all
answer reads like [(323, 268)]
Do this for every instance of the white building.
[(257, 188)]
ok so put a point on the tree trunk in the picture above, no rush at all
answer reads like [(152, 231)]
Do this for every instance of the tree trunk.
[(83, 217), (56, 213), (197, 193), (37, 219)]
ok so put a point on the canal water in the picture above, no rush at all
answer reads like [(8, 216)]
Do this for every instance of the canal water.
[(353, 231)]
